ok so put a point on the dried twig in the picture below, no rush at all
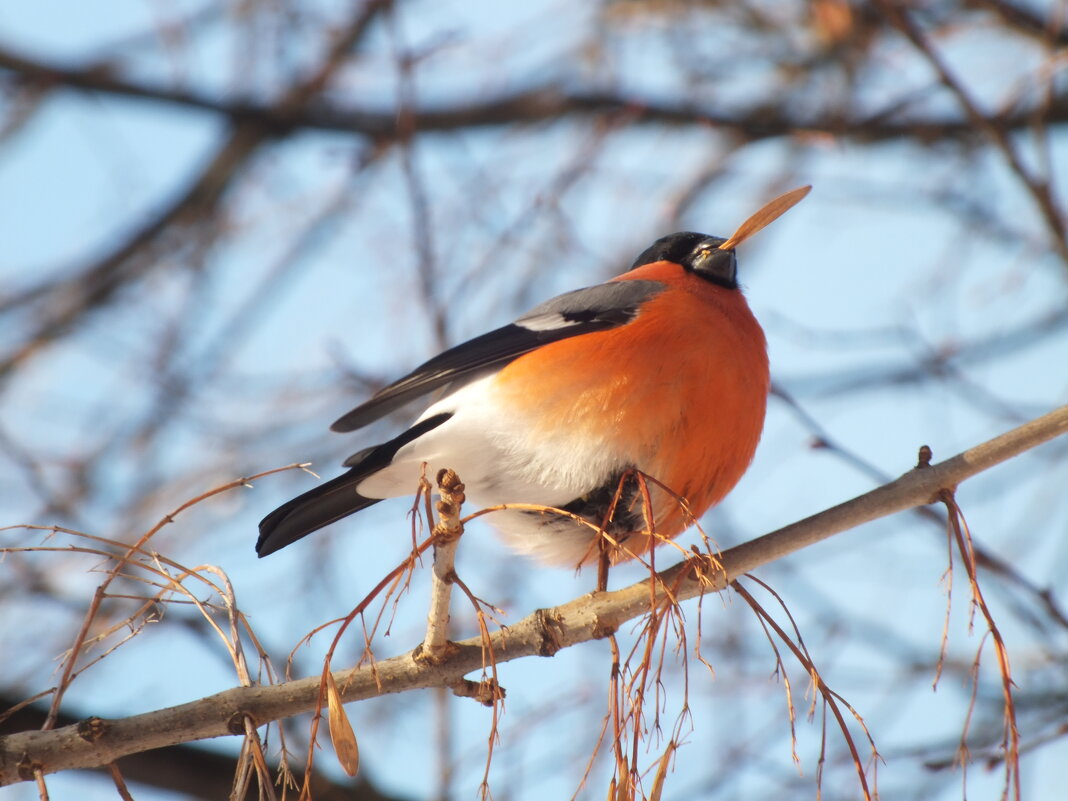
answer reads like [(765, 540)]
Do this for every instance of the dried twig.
[(1010, 741), (101, 591), (831, 699)]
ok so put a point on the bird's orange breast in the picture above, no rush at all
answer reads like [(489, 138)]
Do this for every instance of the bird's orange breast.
[(679, 392)]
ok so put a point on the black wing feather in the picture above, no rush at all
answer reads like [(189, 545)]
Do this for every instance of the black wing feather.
[(583, 311)]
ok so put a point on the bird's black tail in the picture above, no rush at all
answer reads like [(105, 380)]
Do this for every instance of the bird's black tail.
[(311, 511), (338, 497)]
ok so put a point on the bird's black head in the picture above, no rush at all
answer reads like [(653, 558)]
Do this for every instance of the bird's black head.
[(698, 253)]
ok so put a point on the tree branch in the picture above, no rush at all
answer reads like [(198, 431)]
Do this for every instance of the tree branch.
[(1036, 184), (531, 106), (542, 633), (97, 285), (192, 770), (447, 532)]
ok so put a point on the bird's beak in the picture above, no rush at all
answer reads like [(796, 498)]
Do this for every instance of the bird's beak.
[(714, 261)]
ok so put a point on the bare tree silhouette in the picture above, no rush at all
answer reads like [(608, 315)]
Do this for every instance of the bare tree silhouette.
[(224, 226)]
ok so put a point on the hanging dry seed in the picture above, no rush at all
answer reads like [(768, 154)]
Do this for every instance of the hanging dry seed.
[(767, 214), (341, 733)]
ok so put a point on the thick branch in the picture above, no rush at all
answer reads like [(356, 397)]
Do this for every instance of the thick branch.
[(543, 633), (191, 770)]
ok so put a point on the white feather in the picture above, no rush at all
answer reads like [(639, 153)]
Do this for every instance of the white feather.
[(550, 321), (502, 460)]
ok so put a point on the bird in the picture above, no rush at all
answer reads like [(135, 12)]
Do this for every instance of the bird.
[(632, 406)]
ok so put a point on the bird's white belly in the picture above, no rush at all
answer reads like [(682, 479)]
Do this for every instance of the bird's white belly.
[(501, 461)]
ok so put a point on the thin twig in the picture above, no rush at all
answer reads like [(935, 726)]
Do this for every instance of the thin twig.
[(1040, 188), (120, 563)]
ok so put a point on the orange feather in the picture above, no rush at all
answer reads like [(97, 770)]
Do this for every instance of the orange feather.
[(689, 413)]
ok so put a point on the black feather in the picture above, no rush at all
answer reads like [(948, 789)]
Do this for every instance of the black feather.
[(337, 498), (311, 511), (583, 311)]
